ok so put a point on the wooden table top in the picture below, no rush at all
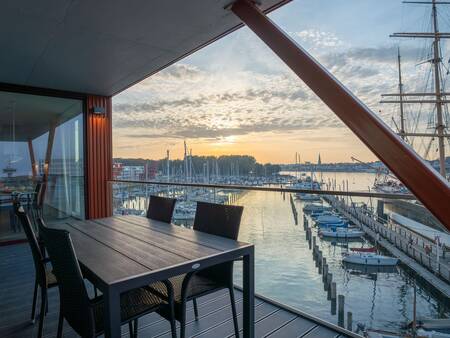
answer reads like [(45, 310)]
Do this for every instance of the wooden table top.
[(121, 248)]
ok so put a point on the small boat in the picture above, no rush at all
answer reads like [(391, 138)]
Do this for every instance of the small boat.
[(369, 270), (370, 259), (330, 221), (372, 249), (315, 208), (341, 233), (307, 197), (315, 214)]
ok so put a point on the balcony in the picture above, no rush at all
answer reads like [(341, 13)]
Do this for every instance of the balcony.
[(272, 319), (67, 61)]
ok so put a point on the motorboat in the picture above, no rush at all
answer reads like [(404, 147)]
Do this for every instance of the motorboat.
[(341, 233), (315, 208), (370, 259), (330, 221)]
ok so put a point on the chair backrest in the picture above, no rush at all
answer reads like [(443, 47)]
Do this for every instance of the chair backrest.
[(218, 219), (161, 208), (32, 241), (75, 305)]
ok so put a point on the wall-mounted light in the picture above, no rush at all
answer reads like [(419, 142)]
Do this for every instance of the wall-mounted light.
[(99, 111)]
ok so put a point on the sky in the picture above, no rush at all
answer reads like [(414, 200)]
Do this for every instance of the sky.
[(236, 97)]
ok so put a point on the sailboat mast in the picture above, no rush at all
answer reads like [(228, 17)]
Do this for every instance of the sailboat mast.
[(437, 86), (400, 89)]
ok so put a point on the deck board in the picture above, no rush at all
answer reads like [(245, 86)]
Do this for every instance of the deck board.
[(271, 319)]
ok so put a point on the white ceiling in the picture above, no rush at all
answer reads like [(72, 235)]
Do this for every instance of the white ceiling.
[(103, 46)]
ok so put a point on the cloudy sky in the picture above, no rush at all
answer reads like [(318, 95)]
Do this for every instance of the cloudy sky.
[(236, 97)]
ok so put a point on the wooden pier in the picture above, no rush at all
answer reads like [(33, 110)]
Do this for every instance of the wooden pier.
[(411, 253)]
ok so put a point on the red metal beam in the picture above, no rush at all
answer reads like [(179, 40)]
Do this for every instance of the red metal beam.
[(422, 180)]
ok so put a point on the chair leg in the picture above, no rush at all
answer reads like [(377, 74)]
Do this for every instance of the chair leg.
[(42, 312), (183, 319), (173, 324), (33, 309), (60, 324), (136, 324), (195, 308), (46, 304), (130, 328), (233, 309)]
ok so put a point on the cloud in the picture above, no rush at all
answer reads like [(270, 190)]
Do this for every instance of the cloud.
[(318, 39), (229, 97)]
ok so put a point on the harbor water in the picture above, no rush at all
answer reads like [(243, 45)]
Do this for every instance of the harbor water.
[(286, 271)]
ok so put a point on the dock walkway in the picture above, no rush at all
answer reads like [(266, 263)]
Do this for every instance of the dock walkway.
[(409, 254)]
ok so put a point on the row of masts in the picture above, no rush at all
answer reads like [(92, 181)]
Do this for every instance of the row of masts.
[(187, 170), (438, 97)]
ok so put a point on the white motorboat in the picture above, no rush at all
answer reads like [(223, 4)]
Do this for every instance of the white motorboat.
[(317, 208), (341, 233), (370, 259)]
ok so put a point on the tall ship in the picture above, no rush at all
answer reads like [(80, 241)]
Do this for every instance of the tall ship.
[(422, 117)]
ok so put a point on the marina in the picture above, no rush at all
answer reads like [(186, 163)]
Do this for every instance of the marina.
[(290, 265)]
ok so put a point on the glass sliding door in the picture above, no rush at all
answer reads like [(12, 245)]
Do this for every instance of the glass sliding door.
[(41, 140)]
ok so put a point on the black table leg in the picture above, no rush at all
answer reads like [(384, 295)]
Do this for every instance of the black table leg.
[(249, 294), (112, 314)]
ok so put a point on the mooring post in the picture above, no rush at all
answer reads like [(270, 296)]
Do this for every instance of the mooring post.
[(325, 275), (329, 279), (341, 300), (349, 321), (333, 290)]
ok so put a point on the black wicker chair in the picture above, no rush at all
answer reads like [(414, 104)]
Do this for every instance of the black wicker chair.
[(45, 279), (161, 208), (216, 219), (84, 315)]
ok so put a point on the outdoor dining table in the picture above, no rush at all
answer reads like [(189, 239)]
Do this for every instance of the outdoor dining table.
[(121, 253)]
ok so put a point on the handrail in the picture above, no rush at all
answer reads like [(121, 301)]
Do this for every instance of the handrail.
[(274, 189)]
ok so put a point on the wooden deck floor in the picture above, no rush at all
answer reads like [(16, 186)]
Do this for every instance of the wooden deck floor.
[(272, 319)]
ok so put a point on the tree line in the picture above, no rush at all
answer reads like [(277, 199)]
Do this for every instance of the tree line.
[(225, 165)]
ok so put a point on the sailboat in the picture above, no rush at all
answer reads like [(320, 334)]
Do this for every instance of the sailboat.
[(437, 128)]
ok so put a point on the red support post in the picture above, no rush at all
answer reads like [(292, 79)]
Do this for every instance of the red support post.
[(421, 179), (98, 157)]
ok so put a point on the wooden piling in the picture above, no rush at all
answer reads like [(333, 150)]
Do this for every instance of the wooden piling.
[(324, 272), (333, 290), (341, 302), (349, 321), (329, 279), (333, 306)]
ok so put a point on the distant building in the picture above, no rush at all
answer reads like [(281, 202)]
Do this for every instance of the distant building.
[(117, 170), (133, 173)]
